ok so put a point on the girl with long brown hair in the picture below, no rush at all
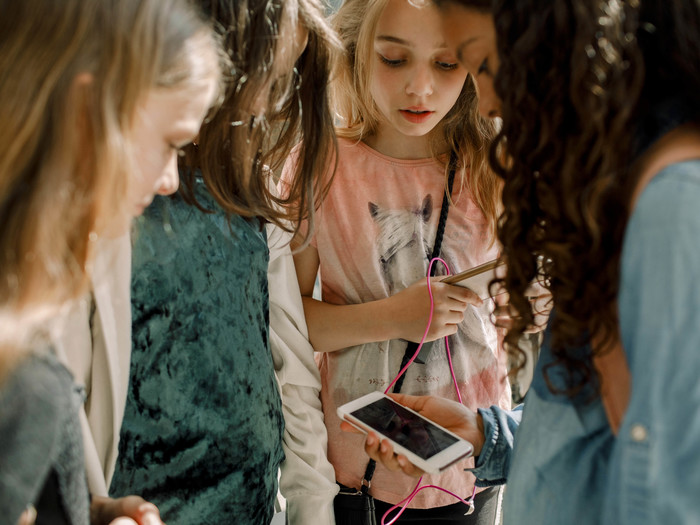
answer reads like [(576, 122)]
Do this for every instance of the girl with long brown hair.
[(204, 428)]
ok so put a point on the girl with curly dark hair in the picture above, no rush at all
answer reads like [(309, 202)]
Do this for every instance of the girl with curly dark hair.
[(601, 126)]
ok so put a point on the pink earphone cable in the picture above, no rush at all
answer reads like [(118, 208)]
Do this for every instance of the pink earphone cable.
[(404, 503), (425, 334)]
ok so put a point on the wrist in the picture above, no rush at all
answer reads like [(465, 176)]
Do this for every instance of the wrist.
[(387, 319), (481, 437)]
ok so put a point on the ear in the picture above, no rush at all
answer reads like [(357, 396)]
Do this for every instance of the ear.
[(80, 95), (373, 210), (427, 207), (81, 85)]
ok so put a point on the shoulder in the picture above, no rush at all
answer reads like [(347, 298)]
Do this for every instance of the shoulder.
[(671, 199), (661, 248)]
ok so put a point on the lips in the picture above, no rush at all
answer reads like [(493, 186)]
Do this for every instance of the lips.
[(416, 115)]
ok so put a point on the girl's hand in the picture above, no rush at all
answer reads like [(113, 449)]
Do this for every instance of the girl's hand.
[(540, 301), (411, 309), (130, 510), (451, 415), (28, 517)]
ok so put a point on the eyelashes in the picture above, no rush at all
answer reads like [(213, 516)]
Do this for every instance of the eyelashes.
[(445, 66), (483, 68), (390, 63)]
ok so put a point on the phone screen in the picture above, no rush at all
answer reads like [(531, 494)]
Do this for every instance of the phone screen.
[(405, 428)]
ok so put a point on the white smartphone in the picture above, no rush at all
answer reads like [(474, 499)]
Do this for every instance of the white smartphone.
[(425, 444), (477, 279)]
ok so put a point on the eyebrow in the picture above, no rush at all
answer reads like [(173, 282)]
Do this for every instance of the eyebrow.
[(393, 39), (402, 42), (464, 44)]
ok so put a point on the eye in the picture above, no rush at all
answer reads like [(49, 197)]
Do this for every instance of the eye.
[(447, 66), (389, 62), (484, 67)]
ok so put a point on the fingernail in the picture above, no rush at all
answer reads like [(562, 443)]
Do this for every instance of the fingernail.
[(371, 440), (402, 461)]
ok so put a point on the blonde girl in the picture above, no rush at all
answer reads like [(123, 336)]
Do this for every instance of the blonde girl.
[(85, 87), (407, 107)]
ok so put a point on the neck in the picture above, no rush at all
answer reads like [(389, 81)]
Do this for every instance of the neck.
[(387, 141)]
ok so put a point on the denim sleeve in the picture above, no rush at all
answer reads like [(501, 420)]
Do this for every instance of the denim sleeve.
[(493, 463)]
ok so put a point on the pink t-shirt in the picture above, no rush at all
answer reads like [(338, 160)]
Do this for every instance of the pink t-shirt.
[(374, 233)]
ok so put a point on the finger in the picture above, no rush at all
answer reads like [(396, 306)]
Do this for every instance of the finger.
[(347, 427), (463, 294), (387, 456), (408, 468), (474, 299), (149, 514), (542, 305), (151, 517), (28, 517), (449, 317), (450, 329), (536, 288), (372, 446), (504, 311)]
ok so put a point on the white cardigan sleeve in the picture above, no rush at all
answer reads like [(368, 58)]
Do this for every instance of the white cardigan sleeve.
[(96, 348), (308, 479)]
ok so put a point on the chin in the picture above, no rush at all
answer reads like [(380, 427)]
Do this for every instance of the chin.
[(418, 131)]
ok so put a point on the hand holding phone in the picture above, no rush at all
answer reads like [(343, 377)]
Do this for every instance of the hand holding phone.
[(427, 445)]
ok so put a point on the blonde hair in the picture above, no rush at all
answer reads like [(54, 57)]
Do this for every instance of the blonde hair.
[(72, 74), (464, 131)]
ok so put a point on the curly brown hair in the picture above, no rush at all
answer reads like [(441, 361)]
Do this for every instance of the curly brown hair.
[(236, 150), (581, 84)]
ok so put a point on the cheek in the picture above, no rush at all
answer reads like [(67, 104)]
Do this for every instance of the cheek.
[(485, 87), (453, 86), (150, 166), (384, 83)]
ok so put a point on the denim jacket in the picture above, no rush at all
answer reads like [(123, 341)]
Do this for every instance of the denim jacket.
[(562, 463)]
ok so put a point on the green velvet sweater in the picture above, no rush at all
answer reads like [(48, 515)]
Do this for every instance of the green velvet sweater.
[(203, 424)]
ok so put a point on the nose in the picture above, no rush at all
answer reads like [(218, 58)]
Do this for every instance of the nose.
[(420, 82), (170, 179)]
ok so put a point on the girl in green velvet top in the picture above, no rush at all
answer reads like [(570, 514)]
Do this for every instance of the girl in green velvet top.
[(203, 425)]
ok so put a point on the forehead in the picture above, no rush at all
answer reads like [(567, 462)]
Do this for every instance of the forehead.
[(177, 110), (464, 28), (409, 23)]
